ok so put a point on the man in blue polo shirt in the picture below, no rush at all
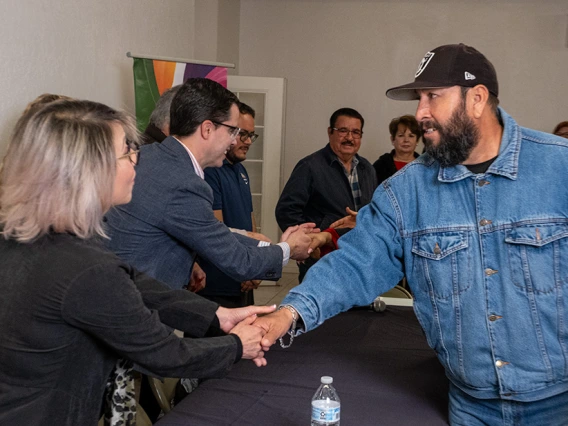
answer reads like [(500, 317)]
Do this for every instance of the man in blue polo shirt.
[(232, 205)]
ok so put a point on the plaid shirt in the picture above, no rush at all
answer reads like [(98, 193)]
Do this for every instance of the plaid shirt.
[(353, 179)]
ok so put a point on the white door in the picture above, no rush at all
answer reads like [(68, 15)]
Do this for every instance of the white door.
[(266, 96)]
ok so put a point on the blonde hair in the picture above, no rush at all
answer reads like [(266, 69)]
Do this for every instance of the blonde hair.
[(43, 100), (59, 170)]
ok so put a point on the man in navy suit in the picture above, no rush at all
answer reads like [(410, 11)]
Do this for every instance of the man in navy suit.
[(170, 218)]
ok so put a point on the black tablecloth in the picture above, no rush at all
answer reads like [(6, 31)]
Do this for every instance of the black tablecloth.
[(382, 369)]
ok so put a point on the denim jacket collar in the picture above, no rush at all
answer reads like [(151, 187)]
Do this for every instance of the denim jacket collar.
[(507, 162)]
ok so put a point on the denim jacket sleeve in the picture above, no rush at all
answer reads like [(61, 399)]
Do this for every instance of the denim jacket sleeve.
[(295, 197), (368, 263)]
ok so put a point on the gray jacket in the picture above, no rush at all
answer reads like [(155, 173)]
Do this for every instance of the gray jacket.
[(170, 221)]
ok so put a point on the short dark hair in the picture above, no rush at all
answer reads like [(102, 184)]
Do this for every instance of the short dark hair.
[(409, 121), (246, 110), (559, 126), (197, 100), (347, 112)]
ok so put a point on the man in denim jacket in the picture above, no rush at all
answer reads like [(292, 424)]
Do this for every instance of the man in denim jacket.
[(481, 235)]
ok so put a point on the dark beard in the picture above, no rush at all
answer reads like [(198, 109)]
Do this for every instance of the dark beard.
[(457, 139), (232, 158)]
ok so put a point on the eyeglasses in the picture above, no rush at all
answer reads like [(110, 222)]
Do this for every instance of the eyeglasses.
[(344, 132), (234, 131), (132, 153), (244, 135), (562, 135)]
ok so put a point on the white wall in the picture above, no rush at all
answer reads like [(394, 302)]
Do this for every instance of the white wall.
[(217, 31), (338, 53), (78, 48)]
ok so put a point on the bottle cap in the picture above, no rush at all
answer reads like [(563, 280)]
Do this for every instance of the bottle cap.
[(326, 380)]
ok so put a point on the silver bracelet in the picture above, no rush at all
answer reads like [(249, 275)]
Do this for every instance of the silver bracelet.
[(292, 327)]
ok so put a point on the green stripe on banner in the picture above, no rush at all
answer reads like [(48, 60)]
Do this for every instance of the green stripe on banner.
[(145, 91)]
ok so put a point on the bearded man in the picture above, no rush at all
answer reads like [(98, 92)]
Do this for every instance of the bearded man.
[(481, 234)]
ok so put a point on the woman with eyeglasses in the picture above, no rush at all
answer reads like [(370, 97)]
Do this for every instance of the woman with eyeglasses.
[(71, 312), (405, 134)]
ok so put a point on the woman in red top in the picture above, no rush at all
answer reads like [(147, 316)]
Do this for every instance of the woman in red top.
[(405, 135)]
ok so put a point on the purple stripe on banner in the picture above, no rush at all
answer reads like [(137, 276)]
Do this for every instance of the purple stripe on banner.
[(196, 70), (218, 74)]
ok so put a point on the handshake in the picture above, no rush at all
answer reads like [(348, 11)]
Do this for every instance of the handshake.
[(306, 240), (256, 334), (299, 238)]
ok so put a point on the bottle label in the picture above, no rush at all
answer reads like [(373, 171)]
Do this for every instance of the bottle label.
[(325, 411)]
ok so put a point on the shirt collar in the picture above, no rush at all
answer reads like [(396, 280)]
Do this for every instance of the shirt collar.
[(196, 166), (332, 157), (507, 162)]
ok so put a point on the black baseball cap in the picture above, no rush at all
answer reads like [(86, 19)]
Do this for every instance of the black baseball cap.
[(447, 66)]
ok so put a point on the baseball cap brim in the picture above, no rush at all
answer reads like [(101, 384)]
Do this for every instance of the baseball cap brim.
[(407, 92)]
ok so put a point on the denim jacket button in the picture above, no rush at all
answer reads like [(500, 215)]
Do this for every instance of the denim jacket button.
[(499, 363), (483, 182), (490, 272), (484, 222), (494, 317)]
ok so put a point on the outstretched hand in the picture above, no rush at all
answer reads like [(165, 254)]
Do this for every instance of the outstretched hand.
[(319, 240), (250, 338), (275, 326), (229, 318), (348, 221), (298, 241)]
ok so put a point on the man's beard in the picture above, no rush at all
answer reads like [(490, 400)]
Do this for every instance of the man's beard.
[(457, 139), (233, 159)]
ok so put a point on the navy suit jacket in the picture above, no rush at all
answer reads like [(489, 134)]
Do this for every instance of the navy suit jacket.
[(170, 221)]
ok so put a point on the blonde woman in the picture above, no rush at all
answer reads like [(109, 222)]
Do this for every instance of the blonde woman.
[(69, 308)]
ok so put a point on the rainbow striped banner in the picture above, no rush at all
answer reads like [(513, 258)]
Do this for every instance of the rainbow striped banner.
[(153, 77)]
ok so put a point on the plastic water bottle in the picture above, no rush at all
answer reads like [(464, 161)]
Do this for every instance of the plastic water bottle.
[(325, 404)]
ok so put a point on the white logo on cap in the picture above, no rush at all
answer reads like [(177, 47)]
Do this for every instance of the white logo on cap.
[(469, 76), (424, 63)]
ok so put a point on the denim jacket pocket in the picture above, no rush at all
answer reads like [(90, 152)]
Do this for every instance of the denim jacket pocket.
[(442, 262), (537, 256)]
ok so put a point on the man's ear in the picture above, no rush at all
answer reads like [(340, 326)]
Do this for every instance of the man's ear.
[(206, 128), (329, 131), (479, 96)]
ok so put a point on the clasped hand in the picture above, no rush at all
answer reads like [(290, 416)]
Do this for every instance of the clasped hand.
[(257, 333), (240, 321), (299, 241)]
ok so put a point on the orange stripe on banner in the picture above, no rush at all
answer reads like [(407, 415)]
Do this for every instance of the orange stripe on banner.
[(164, 72)]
